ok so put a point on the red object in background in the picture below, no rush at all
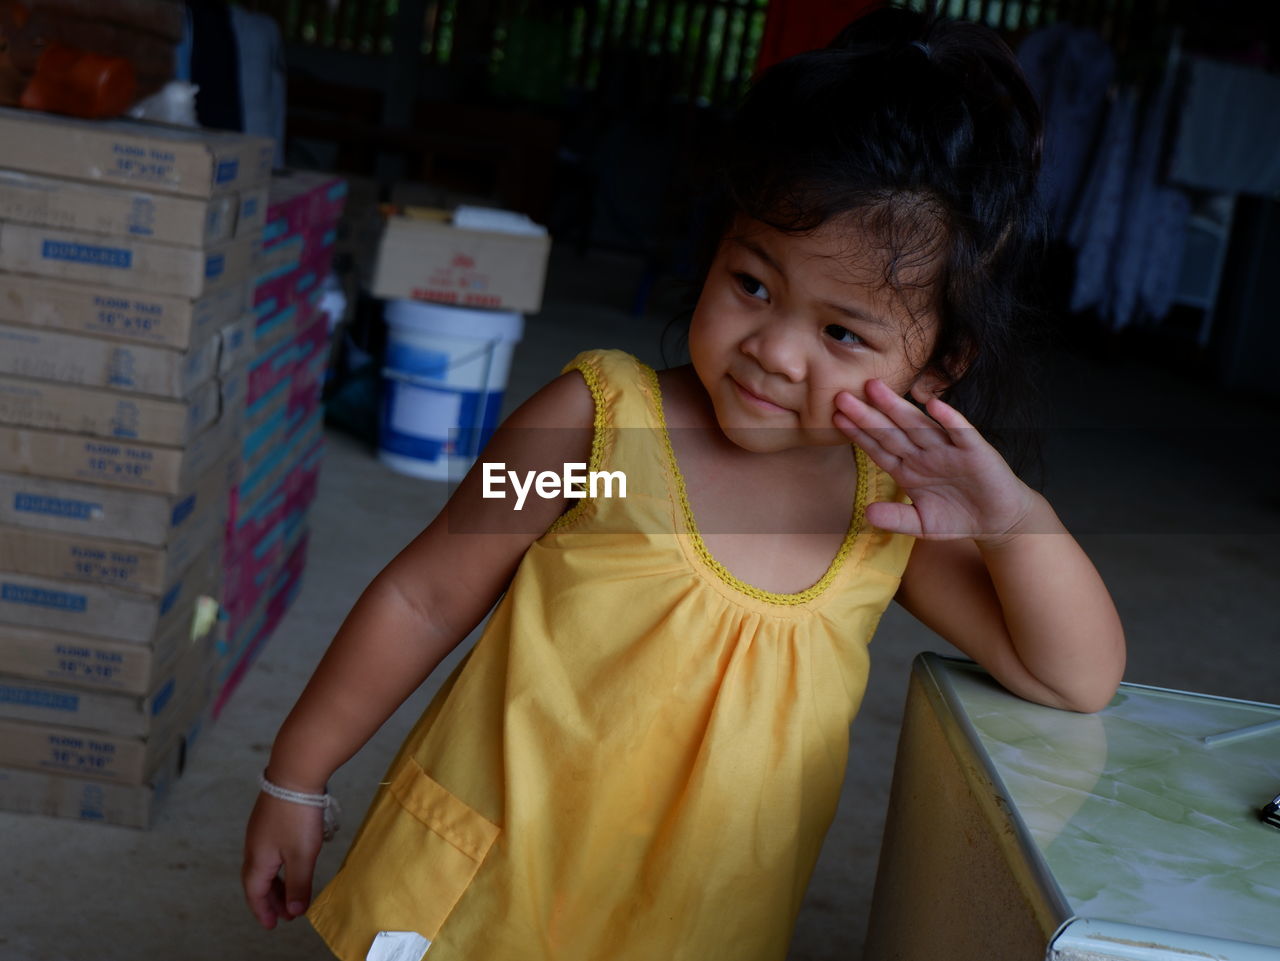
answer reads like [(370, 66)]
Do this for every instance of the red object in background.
[(80, 84), (794, 26)]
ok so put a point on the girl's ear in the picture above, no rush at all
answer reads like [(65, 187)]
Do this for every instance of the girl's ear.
[(930, 383), (942, 374)]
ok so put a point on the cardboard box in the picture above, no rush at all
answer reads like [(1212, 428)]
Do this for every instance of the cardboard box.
[(239, 344), (264, 427), (95, 362), (302, 198), (253, 629), (90, 799), (112, 462), (268, 491), (93, 511), (75, 608), (54, 405), (124, 263), (292, 306), (97, 663), (39, 702), (126, 315), (294, 442), (271, 368), (253, 567), (163, 218), (114, 563), (310, 247), (276, 324), (120, 758), (303, 285), (232, 388), (262, 525), (282, 489), (183, 160), (313, 355), (425, 257), (304, 480)]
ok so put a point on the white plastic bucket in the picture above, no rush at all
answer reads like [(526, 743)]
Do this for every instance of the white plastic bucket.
[(442, 385)]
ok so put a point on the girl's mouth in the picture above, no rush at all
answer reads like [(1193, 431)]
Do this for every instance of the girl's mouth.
[(756, 400)]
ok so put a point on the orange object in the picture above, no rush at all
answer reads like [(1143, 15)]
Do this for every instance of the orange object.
[(80, 83)]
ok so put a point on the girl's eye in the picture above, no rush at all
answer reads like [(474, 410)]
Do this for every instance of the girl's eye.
[(752, 287), (841, 335)]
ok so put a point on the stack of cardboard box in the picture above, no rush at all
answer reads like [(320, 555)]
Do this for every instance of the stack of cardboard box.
[(125, 340), (283, 440)]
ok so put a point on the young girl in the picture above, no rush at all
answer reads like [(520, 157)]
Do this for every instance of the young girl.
[(643, 752)]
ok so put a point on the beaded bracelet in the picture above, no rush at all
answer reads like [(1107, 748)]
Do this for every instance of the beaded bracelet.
[(326, 801)]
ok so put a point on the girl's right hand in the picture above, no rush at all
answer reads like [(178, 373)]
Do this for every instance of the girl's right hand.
[(281, 835), (959, 485)]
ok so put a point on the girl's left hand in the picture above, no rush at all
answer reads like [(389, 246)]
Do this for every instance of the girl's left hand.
[(959, 484)]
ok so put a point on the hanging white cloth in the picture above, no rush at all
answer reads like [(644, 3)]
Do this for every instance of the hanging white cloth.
[(1096, 221), (1228, 129), (1070, 69), (1154, 225)]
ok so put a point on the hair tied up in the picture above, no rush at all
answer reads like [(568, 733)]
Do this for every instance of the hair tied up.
[(923, 48)]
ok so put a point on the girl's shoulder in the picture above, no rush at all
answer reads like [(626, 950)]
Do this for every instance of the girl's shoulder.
[(625, 391), (608, 366), (564, 402)]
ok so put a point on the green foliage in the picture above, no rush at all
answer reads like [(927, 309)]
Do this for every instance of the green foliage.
[(539, 49)]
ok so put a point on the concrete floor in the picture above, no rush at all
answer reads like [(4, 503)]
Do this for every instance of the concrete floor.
[(1170, 484)]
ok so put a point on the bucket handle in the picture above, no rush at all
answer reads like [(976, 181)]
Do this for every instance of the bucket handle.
[(486, 351), (478, 424), (415, 380)]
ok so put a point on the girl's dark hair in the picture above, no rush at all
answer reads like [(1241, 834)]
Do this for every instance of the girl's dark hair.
[(926, 133)]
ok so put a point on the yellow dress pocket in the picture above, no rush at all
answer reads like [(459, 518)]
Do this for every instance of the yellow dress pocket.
[(417, 853)]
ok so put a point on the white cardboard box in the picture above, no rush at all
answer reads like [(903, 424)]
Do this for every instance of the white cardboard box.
[(123, 262), (133, 316), (93, 511), (425, 257), (164, 218), (181, 160)]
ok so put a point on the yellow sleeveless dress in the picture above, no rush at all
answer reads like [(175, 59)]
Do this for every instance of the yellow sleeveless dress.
[(641, 756)]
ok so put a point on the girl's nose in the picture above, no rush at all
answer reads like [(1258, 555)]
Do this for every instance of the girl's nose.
[(777, 350)]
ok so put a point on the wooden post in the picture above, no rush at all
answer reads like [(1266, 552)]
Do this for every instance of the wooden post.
[(401, 80)]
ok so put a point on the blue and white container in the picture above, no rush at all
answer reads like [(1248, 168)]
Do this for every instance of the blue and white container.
[(442, 385)]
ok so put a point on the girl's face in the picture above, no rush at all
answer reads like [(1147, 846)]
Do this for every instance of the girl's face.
[(785, 322)]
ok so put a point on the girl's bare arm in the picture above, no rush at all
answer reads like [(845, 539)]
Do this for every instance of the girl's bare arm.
[(1030, 608), (417, 610), (993, 571)]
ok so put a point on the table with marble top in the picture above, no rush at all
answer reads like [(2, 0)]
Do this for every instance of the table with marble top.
[(1018, 831)]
